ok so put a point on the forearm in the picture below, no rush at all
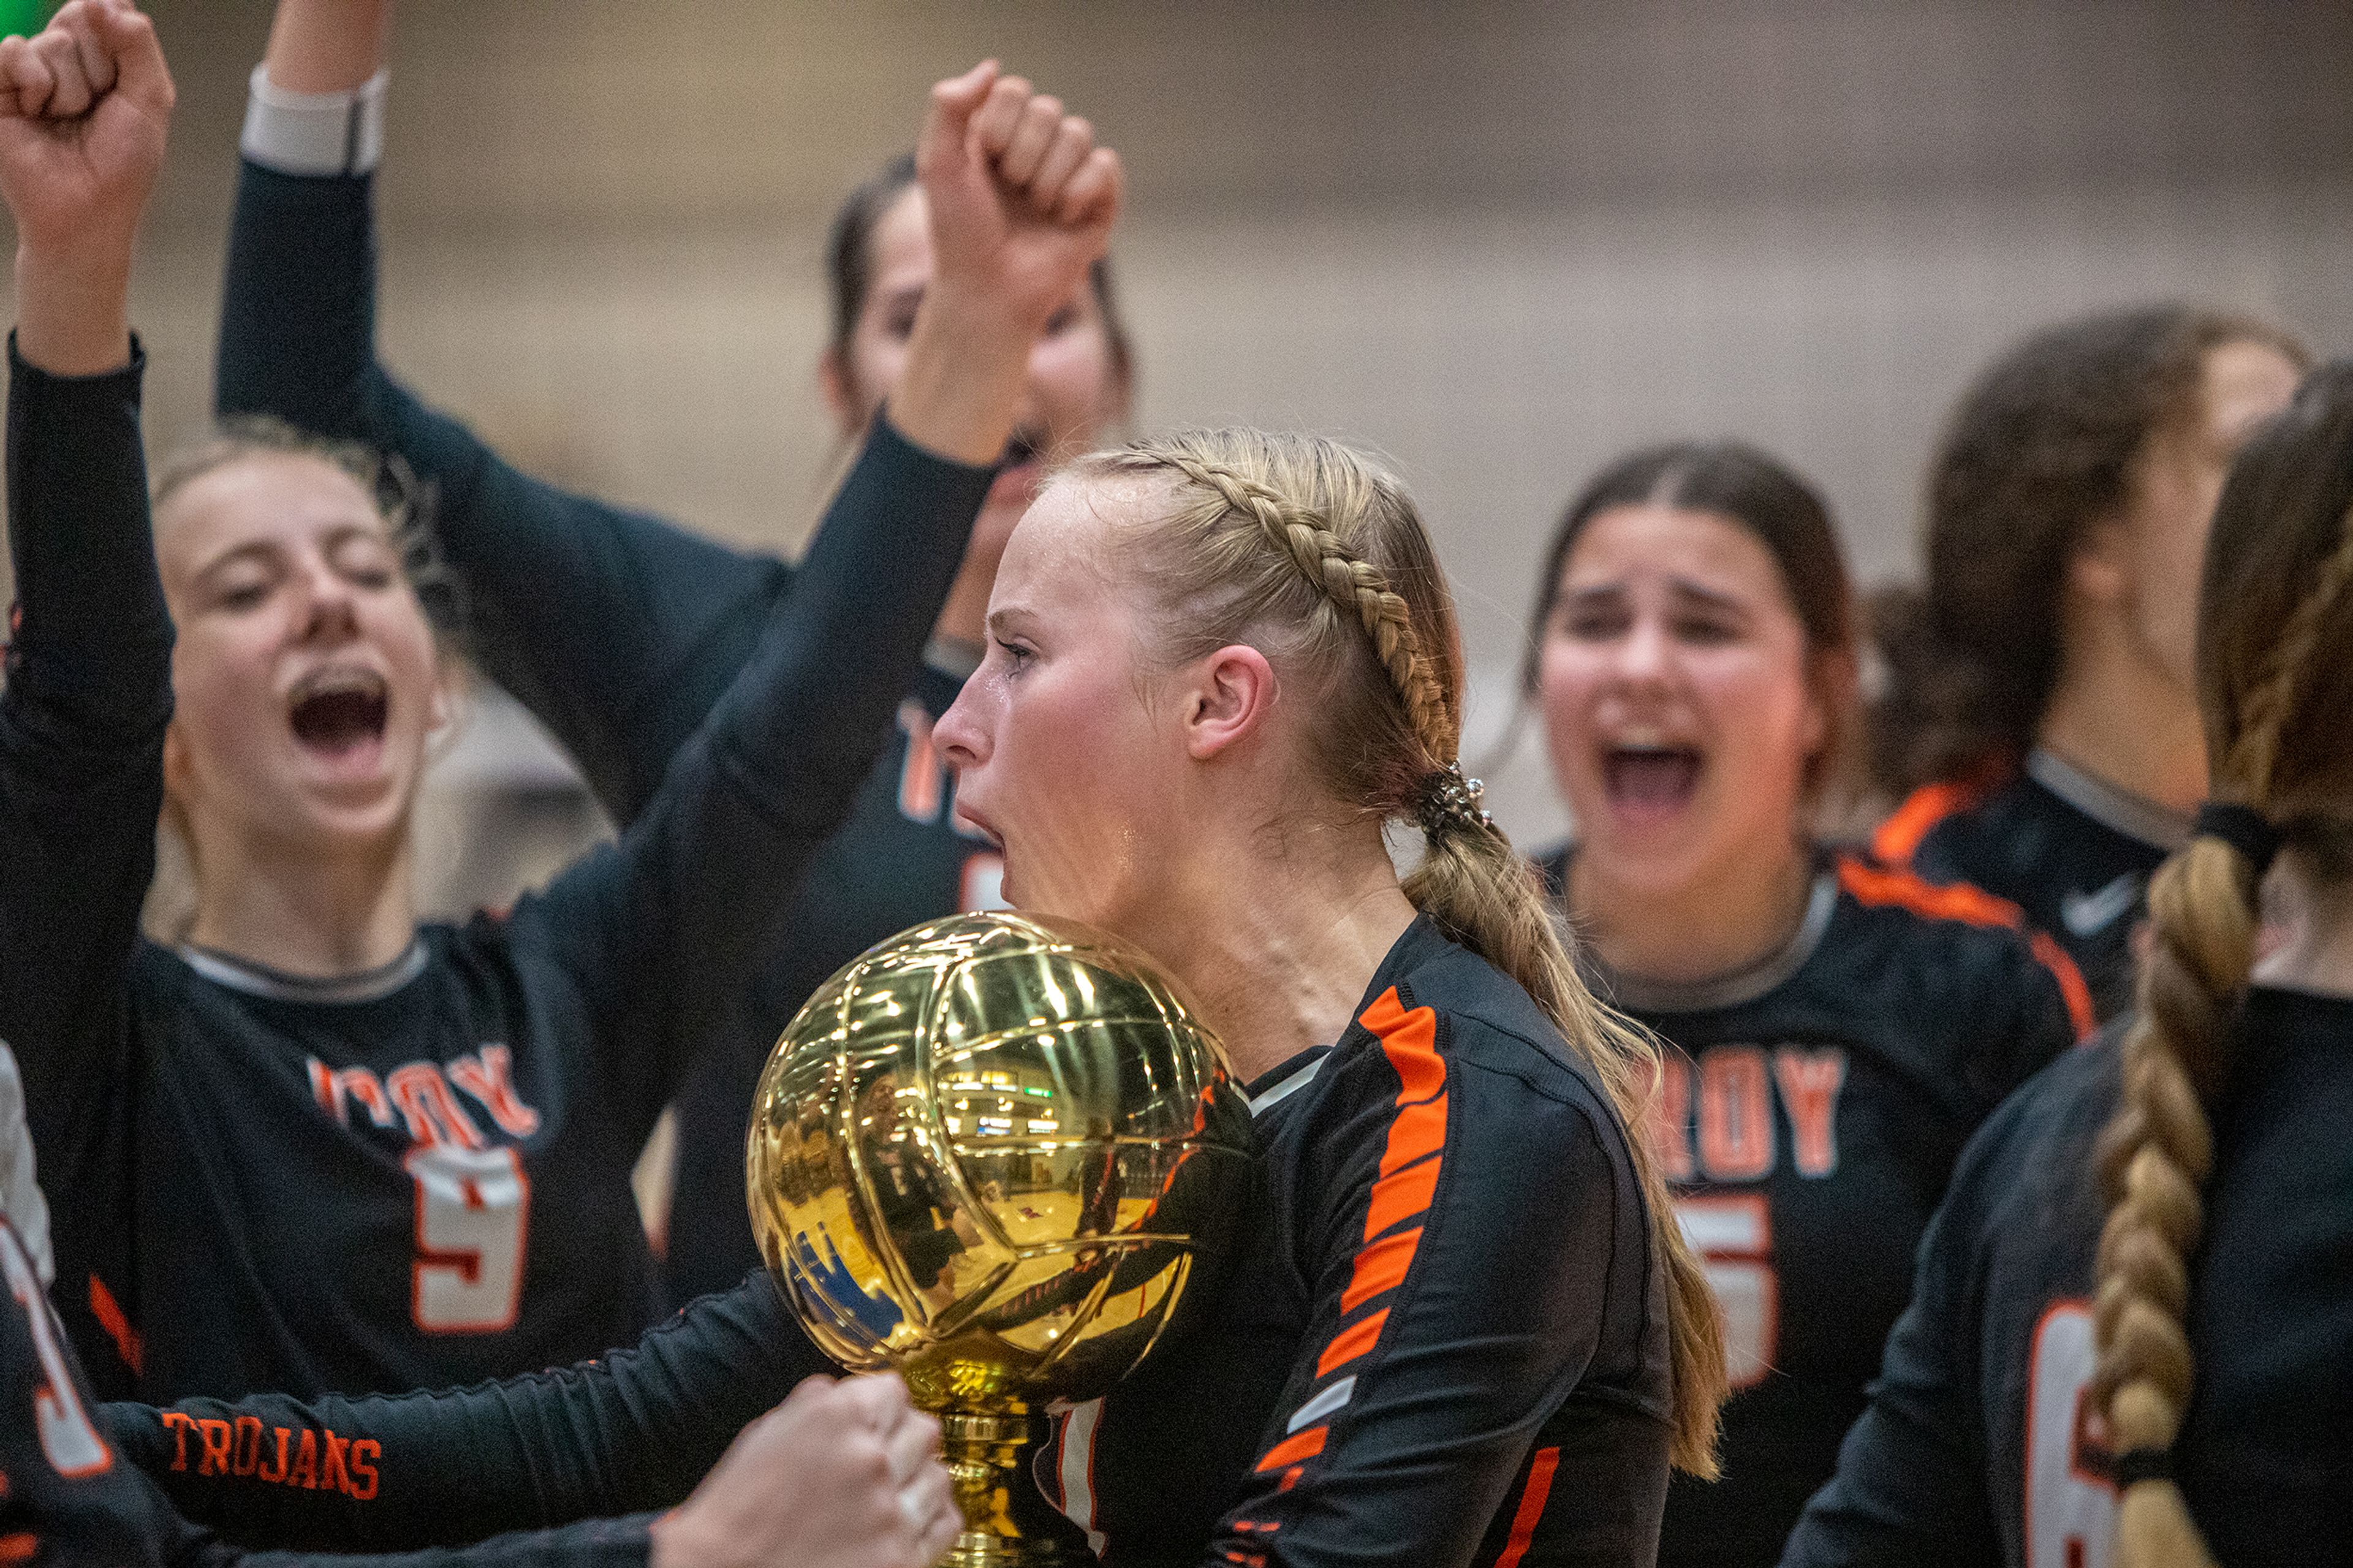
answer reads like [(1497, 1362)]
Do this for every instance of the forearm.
[(327, 46), (632, 1432), (967, 362), (619, 630), (666, 938), (73, 310)]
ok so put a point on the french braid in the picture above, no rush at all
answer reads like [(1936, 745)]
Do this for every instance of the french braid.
[(2157, 1149), (1355, 588), (1309, 553)]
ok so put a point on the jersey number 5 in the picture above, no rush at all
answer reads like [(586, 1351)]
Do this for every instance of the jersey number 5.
[(473, 1213), (1734, 1239), (70, 1443)]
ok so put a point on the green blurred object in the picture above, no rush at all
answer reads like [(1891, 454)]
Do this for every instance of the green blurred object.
[(25, 17)]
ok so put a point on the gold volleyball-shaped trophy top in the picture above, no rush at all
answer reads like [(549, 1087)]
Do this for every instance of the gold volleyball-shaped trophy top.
[(995, 1152)]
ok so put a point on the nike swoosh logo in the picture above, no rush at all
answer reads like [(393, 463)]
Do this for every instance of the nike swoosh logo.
[(2088, 914)]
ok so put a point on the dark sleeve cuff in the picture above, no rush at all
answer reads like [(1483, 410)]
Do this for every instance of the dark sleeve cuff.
[(123, 380), (896, 445)]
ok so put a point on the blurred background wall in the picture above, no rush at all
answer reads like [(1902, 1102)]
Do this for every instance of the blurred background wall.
[(1498, 242)]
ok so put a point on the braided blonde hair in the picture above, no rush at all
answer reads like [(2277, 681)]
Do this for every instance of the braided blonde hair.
[(2280, 731), (1311, 553)]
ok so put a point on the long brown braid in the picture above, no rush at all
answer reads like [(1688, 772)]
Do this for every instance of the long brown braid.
[(2284, 519), (1314, 554)]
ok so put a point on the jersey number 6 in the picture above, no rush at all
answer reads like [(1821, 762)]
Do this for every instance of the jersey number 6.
[(473, 1214), (70, 1443)]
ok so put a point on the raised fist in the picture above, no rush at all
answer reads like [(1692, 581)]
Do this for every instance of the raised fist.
[(83, 111), (1022, 199)]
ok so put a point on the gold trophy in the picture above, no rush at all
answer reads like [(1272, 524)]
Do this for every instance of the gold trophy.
[(993, 1152)]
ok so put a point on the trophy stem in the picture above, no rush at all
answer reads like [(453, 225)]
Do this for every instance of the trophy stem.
[(1004, 1517)]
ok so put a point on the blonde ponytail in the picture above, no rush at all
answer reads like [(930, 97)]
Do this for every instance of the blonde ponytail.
[(1314, 554), (2279, 764), (1486, 896)]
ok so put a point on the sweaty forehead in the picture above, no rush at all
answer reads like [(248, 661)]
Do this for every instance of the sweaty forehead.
[(1065, 539)]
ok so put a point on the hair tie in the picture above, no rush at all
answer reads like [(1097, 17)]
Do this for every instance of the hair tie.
[(2243, 828), (2135, 1466), (1449, 800)]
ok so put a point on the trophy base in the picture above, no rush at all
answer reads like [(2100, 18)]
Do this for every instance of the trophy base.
[(1006, 1523)]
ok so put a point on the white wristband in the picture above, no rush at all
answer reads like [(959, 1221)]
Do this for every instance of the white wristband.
[(314, 133)]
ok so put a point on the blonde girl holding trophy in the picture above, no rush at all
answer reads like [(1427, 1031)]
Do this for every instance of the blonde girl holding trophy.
[(1463, 1328)]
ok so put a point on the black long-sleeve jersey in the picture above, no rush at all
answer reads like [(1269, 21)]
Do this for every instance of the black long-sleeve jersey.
[(421, 1175), (1443, 1343), (620, 631), (1811, 1109), (2074, 852), (1975, 1449), (67, 1502)]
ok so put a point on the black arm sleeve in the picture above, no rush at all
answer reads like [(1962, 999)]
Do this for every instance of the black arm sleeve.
[(81, 731), (632, 1432), (1910, 1488), (592, 1543), (663, 935), (620, 631), (69, 1502)]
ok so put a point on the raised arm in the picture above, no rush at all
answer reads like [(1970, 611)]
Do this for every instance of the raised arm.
[(663, 933), (619, 629), (83, 110)]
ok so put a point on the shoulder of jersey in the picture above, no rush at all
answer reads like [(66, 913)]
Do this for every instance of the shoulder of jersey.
[(1957, 932), (1491, 1021), (2051, 1124), (1938, 828)]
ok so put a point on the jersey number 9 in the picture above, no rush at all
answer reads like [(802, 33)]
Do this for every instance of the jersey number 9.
[(473, 1214)]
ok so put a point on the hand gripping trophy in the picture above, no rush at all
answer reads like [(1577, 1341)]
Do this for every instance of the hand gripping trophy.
[(996, 1153)]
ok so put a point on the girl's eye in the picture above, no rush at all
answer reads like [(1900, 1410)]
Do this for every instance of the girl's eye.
[(1063, 321), (1015, 654), (1591, 625), (243, 595), (1709, 633)]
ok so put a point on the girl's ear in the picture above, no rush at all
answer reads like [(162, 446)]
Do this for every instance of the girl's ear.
[(1229, 697)]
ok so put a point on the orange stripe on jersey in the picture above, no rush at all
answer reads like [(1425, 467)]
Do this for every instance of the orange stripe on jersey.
[(1532, 1507), (21, 1547), (1940, 900), (1380, 1267), (1411, 1156), (1291, 1449), (111, 1318), (1402, 1196), (1350, 1342), (1898, 838), (1418, 1130), (1975, 906), (2071, 983), (1410, 1042)]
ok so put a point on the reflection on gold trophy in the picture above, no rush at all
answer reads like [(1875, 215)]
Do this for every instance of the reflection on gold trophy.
[(994, 1153)]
